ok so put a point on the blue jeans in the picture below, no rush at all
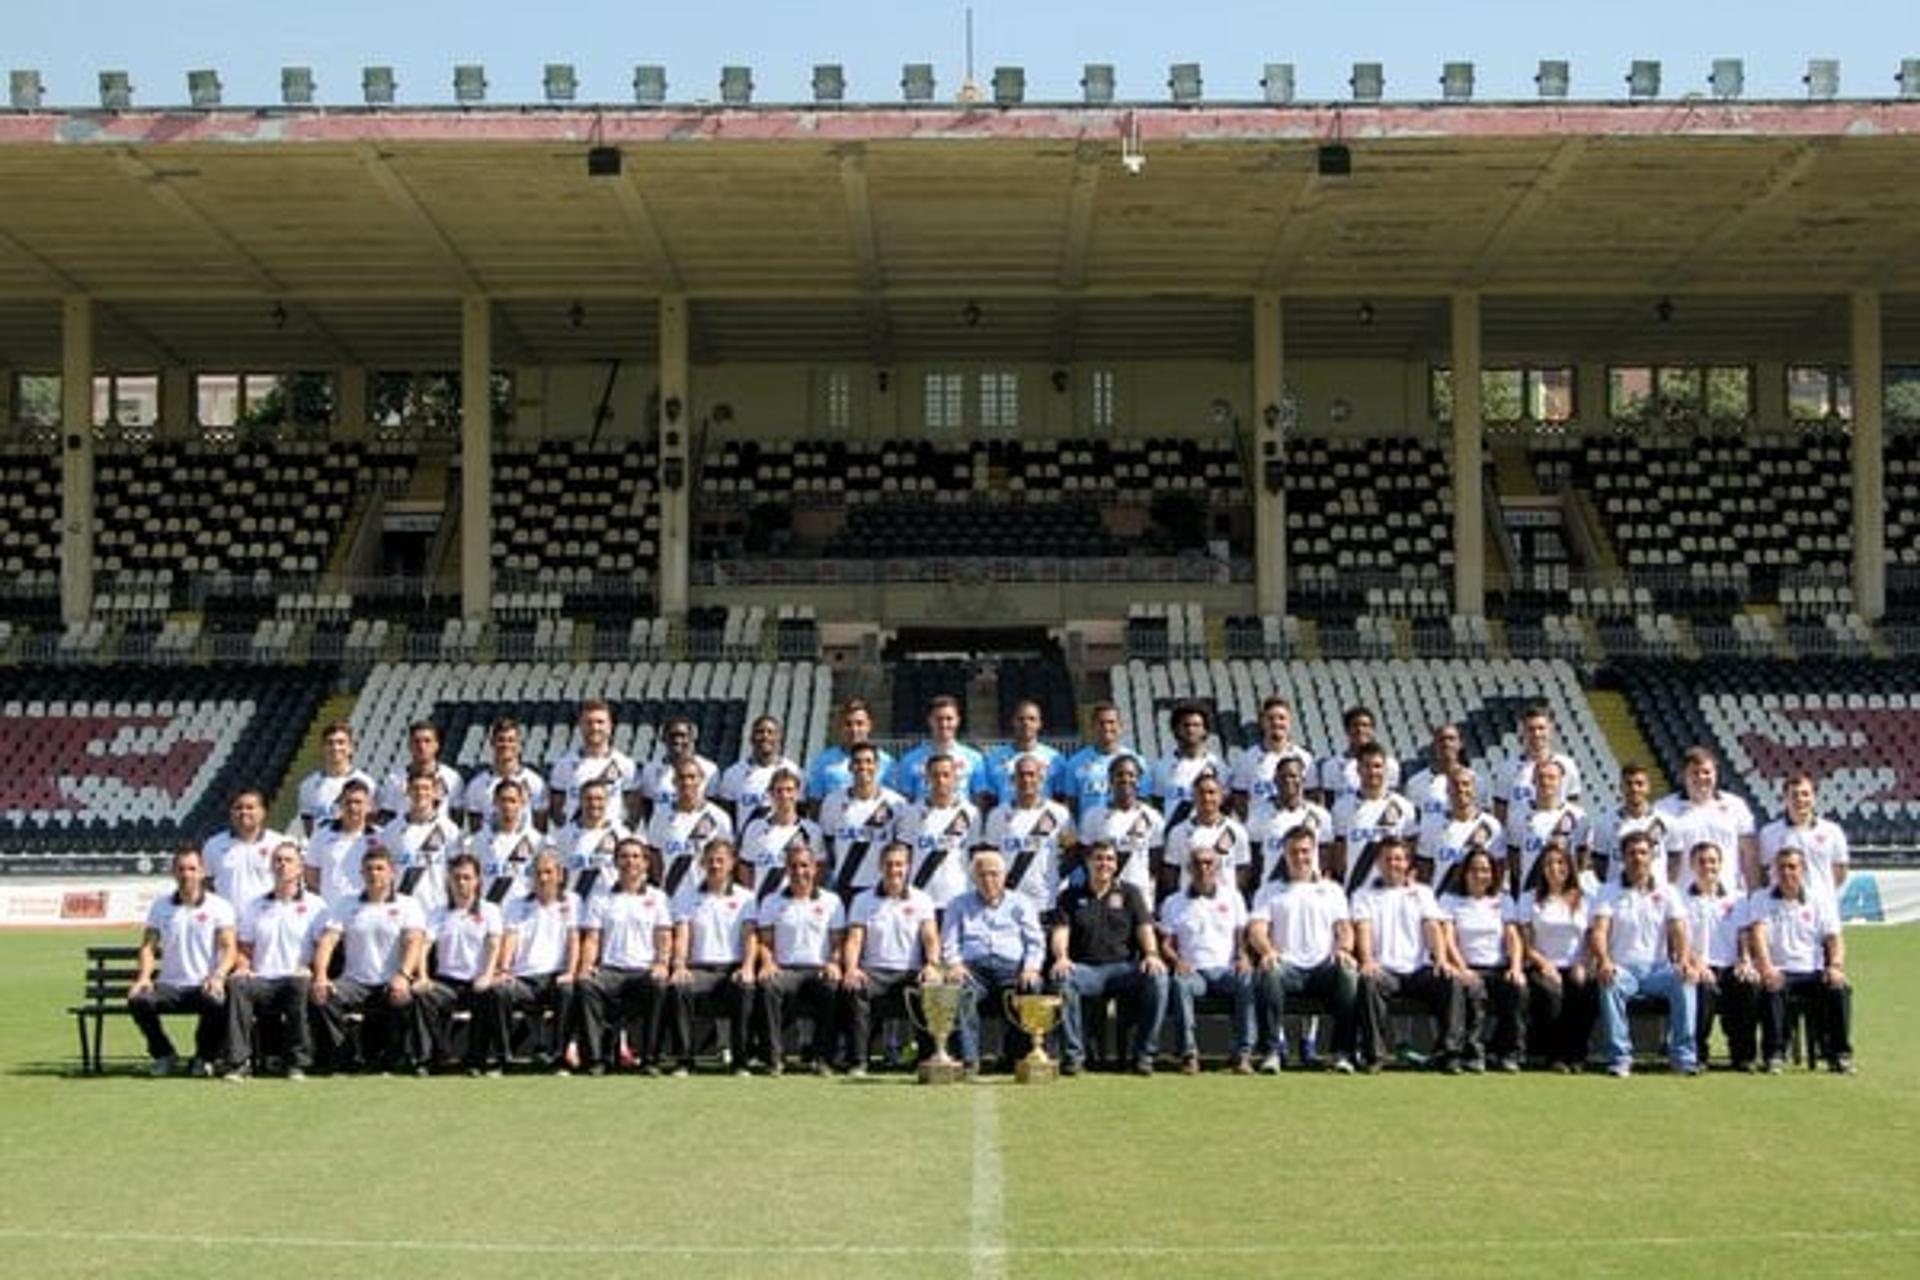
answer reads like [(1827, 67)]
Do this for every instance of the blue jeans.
[(1662, 981), (1205, 983), (986, 981), (1147, 993)]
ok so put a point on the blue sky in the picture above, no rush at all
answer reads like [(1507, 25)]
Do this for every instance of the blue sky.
[(249, 40)]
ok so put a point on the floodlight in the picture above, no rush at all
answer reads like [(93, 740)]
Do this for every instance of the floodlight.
[(1456, 81), (1643, 78), (203, 89), (736, 86), (916, 82), (1910, 77), (649, 84), (1096, 83), (1553, 78), (829, 82), (1728, 78), (1822, 78), (1009, 86), (469, 83), (296, 86), (25, 90), (116, 91), (1183, 81), (1368, 82), (562, 84), (1278, 82), (377, 86), (603, 162)]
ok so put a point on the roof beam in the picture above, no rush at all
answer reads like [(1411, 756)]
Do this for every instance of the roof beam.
[(866, 251), (61, 284), (637, 216), (1525, 208), (1082, 188), (1297, 223), (1787, 173)]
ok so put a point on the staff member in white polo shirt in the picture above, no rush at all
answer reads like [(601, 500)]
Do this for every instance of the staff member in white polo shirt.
[(277, 932), (803, 931), (1302, 945), (537, 960), (1701, 811), (240, 859), (713, 955), (466, 933), (1485, 958), (1202, 931), (384, 939), (626, 948), (1726, 985), (1638, 945), (1399, 939), (1822, 842), (1794, 940), (192, 932), (893, 941), (1553, 922)]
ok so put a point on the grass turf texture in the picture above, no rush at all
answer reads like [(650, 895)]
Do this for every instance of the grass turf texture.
[(1804, 1175)]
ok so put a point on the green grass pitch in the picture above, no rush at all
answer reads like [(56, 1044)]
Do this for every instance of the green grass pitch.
[(1401, 1175)]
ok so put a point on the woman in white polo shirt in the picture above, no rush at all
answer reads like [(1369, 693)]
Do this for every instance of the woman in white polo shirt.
[(1562, 1003), (1483, 948)]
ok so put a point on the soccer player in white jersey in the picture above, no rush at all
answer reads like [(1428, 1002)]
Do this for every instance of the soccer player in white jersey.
[(742, 788), (240, 858), (1300, 938), (858, 821), (626, 951), (423, 752), (1485, 957), (655, 787), (339, 843), (586, 844), (1283, 808), (943, 739), (1400, 944), (464, 934), (1465, 826), (1340, 772), (1701, 812), (186, 954), (504, 846), (320, 790), (1171, 781), (1793, 937), (714, 955), (1550, 816), (1428, 789), (383, 938), (770, 837), (1202, 933), (276, 934), (593, 757), (1553, 921), (421, 840), (1208, 825), (803, 933), (995, 786), (892, 944), (1033, 833), (1252, 780), (942, 828), (538, 957), (1513, 787), (828, 771), (1085, 775), (1362, 818), (679, 833), (504, 764), (1638, 947), (1821, 841), (1635, 812), (1725, 983), (1133, 827)]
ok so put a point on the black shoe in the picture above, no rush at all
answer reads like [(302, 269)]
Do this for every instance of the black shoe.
[(1070, 1066)]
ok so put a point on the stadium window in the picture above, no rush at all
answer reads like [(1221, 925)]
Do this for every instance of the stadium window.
[(225, 401), (428, 401), (1903, 393), (1000, 400), (1819, 395), (126, 399), (1550, 395), (1522, 396), (1680, 393), (1101, 405), (839, 397), (216, 399), (946, 395), (1729, 393), (1630, 394), (36, 399)]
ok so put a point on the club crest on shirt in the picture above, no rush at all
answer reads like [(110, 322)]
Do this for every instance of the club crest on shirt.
[(1116, 901), (200, 917)]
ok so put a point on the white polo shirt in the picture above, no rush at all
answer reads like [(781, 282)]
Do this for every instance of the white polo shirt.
[(1559, 927), (1796, 928), (1721, 821), (803, 928), (1396, 924), (856, 829), (189, 936), (1479, 927), (628, 925), (890, 939), (950, 830), (680, 838), (242, 870), (1823, 845), (540, 930), (1637, 936), (373, 935), (1302, 919), (280, 933), (1713, 925), (459, 938), (1224, 835), (1203, 929), (717, 923), (1040, 831)]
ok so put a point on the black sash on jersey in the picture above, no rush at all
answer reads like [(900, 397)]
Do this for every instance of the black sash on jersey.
[(1018, 871), (771, 885), (850, 867), (584, 882), (1362, 868), (925, 874), (497, 891), (1122, 855), (1454, 881), (1179, 813), (676, 873), (410, 880)]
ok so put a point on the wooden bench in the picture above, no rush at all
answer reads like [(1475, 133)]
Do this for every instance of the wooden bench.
[(109, 975)]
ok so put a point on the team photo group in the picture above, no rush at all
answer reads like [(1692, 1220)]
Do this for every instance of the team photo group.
[(612, 916)]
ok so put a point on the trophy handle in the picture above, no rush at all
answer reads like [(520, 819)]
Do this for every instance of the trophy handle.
[(918, 1020), (1006, 1000)]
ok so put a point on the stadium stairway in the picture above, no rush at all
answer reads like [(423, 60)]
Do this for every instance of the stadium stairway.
[(1605, 558), (337, 706), (1614, 714), (1513, 472)]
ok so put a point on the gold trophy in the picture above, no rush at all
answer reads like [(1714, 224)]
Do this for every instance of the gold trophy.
[(1036, 1015), (939, 1007)]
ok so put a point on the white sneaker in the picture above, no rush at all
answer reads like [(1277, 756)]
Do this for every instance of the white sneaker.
[(1270, 1065)]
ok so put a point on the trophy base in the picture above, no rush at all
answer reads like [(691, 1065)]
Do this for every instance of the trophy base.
[(1036, 1071), (948, 1072)]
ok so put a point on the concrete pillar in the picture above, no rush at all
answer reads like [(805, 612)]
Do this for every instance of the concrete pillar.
[(350, 400), (1869, 459), (676, 458), (1268, 480), (177, 410), (1469, 517), (76, 459), (476, 456)]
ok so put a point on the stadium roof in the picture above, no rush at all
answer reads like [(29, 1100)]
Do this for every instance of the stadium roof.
[(279, 238)]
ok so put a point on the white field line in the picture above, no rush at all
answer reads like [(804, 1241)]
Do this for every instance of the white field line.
[(986, 1216)]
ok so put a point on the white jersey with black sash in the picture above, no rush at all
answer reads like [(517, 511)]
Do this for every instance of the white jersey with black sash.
[(420, 851), (587, 854), (941, 836), (680, 836), (506, 861), (1031, 840), (1445, 843), (856, 829), (1362, 822), (1135, 832), (764, 846)]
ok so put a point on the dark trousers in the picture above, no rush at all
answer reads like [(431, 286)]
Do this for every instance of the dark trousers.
[(431, 1021), (714, 987), (209, 1033), (1560, 1016), (886, 991), (615, 1000), (788, 992), (1332, 983), (532, 994), (1736, 1004), (1829, 1014), (1440, 994), (1505, 1001), (383, 1023), (286, 998)]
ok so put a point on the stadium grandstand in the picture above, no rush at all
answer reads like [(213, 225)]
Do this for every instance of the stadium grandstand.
[(384, 413)]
